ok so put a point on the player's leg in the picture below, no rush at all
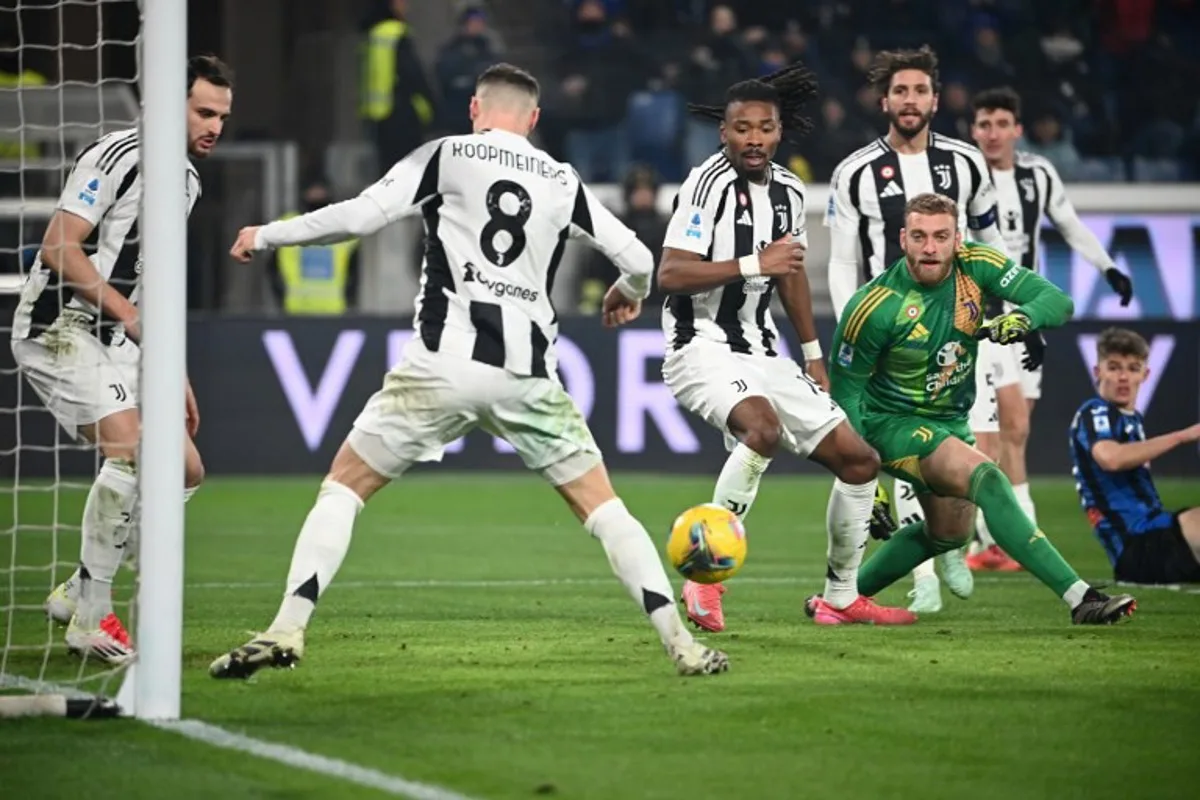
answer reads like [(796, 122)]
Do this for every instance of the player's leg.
[(956, 469), (1163, 550), (816, 428), (729, 392), (1016, 430), (543, 424), (989, 556), (1189, 526), (423, 405)]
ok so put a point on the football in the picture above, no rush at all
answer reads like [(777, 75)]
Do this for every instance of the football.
[(707, 544)]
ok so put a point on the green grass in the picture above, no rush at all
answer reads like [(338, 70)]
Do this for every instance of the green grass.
[(505, 691)]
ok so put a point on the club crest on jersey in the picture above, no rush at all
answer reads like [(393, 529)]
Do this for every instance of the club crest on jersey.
[(845, 354), (972, 309), (88, 195), (942, 171), (695, 228), (781, 217)]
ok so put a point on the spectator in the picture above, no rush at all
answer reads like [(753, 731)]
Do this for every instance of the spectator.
[(397, 101), (1046, 137), (719, 59), (642, 216), (315, 279), (954, 115), (599, 72), (472, 50), (837, 135)]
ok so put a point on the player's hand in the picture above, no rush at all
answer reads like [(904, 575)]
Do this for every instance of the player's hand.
[(243, 248), (1120, 283), (882, 526), (192, 411), (1035, 351), (781, 257), (618, 309), (1190, 434), (1006, 328), (816, 371)]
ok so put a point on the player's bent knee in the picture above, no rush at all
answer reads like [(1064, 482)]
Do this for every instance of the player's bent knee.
[(193, 473), (356, 471), (584, 493), (572, 468), (763, 439)]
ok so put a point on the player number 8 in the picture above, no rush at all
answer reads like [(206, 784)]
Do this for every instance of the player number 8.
[(500, 220)]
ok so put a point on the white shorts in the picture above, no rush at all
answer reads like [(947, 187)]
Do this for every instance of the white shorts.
[(708, 380), (984, 416), (429, 400), (79, 379)]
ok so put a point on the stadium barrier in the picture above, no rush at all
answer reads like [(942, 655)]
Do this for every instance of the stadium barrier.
[(277, 396)]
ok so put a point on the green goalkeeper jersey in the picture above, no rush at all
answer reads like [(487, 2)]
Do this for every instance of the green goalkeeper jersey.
[(904, 348)]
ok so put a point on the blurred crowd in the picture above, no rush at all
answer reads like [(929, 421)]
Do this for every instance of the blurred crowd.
[(1109, 85)]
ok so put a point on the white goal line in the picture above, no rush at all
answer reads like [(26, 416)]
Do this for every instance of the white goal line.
[(201, 731)]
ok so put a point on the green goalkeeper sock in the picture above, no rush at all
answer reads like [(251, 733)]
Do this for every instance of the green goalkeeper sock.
[(908, 547), (1018, 536)]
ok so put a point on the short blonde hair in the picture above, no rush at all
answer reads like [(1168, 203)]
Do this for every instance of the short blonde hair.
[(929, 203)]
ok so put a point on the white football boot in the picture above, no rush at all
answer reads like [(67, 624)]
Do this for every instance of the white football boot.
[(276, 649), (693, 658), (60, 604), (108, 642)]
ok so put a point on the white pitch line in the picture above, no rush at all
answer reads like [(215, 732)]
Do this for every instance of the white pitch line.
[(272, 751), (302, 759)]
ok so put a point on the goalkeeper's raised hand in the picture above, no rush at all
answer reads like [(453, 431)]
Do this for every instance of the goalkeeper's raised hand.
[(1120, 284), (1006, 328), (882, 525)]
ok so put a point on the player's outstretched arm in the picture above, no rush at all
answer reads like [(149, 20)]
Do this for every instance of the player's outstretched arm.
[(1080, 238), (62, 251), (857, 346), (399, 193), (1113, 456), (592, 222), (1037, 299), (687, 272)]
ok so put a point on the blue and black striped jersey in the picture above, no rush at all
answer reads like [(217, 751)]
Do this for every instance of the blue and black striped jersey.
[(1118, 504)]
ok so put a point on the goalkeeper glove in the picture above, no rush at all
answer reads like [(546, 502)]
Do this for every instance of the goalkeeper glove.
[(1120, 284), (1035, 351), (1006, 328), (882, 525)]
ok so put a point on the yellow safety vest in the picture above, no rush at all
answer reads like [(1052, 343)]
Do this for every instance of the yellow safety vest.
[(314, 277), (379, 74), (10, 143)]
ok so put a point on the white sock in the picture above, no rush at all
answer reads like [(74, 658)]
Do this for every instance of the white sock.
[(847, 518), (322, 545), (981, 530), (924, 570), (1025, 501), (106, 516), (131, 533), (737, 485), (634, 559), (1073, 596)]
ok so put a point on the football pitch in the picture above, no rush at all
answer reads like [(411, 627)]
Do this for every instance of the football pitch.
[(476, 641)]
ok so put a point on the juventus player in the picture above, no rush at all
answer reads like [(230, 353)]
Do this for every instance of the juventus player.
[(1028, 189), (737, 232), (868, 193), (497, 214), (75, 338)]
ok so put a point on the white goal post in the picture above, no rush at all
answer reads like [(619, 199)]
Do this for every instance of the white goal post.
[(44, 123)]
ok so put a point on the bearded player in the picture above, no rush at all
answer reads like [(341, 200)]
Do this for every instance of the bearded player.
[(910, 399)]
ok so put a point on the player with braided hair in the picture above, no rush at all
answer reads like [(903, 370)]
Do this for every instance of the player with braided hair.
[(736, 235)]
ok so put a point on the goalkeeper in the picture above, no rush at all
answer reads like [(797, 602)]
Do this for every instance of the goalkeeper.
[(904, 371)]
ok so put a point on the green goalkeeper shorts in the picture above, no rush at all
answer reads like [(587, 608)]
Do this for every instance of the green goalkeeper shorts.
[(902, 441)]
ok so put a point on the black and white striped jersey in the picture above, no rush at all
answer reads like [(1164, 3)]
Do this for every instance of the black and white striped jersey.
[(104, 188), (1029, 193), (723, 216), (867, 195), (498, 213)]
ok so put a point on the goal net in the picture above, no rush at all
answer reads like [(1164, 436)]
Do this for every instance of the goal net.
[(69, 73)]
